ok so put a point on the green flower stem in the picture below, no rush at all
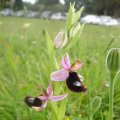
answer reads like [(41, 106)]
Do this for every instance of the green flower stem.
[(89, 105), (54, 112), (90, 112), (56, 63), (56, 67), (111, 95), (91, 116)]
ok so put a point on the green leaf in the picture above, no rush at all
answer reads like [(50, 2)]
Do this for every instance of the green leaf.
[(77, 15), (70, 18), (49, 43)]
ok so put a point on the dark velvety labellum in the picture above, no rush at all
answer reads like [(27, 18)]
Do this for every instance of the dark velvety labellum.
[(33, 102), (74, 83)]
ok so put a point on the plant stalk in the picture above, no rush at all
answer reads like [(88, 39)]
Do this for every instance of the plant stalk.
[(111, 95)]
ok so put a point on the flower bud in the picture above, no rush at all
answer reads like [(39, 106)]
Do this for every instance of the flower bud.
[(58, 40), (113, 60)]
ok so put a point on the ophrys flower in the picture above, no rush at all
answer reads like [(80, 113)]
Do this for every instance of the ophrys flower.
[(40, 102), (68, 73)]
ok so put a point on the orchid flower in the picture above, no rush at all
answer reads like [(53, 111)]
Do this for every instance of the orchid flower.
[(68, 73), (40, 102), (63, 74)]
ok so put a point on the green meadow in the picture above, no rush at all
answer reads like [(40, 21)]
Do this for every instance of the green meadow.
[(25, 64)]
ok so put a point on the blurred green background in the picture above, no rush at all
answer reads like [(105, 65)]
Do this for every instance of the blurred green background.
[(25, 63)]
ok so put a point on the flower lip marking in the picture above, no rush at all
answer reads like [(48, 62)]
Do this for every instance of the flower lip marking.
[(77, 83)]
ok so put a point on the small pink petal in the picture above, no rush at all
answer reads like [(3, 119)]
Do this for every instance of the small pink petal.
[(43, 97), (59, 75), (58, 98), (49, 90), (58, 40), (66, 62), (76, 66)]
